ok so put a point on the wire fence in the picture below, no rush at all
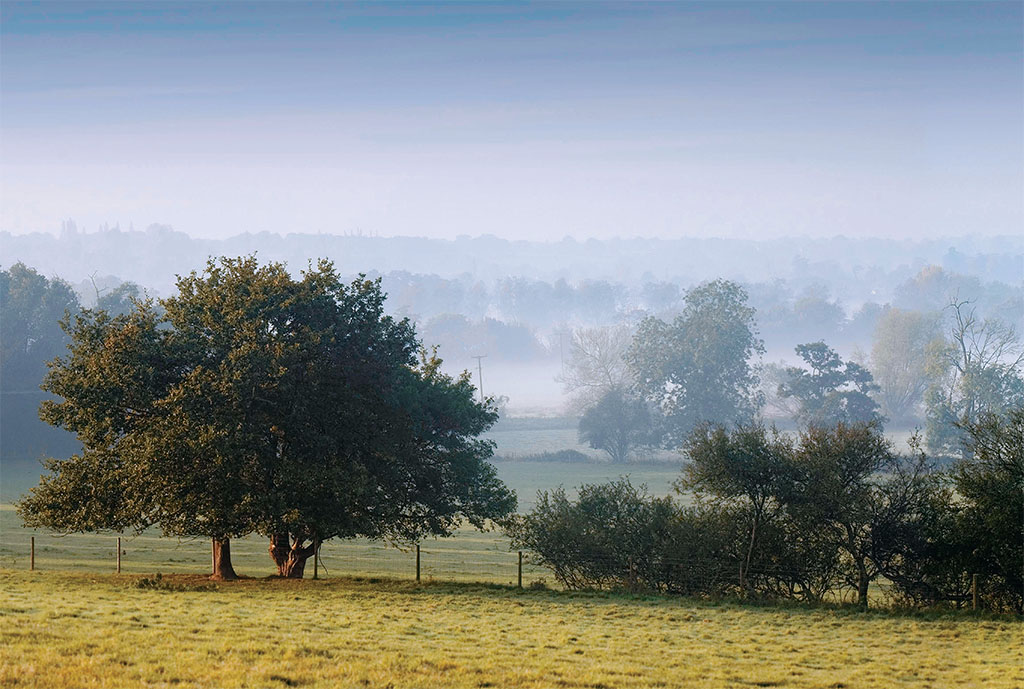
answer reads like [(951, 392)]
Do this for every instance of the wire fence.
[(466, 557)]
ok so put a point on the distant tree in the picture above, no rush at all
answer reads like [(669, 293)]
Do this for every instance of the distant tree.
[(257, 403), (120, 299), (31, 308), (698, 368), (597, 300), (659, 297), (897, 362), (459, 339), (814, 315), (932, 288), (619, 424), (596, 364), (774, 379), (975, 371), (863, 322), (832, 391)]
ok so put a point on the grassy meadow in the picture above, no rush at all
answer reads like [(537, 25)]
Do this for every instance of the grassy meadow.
[(367, 623), (88, 630)]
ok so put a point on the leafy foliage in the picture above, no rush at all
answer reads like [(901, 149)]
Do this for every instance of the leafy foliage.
[(697, 368), (746, 469), (31, 308), (613, 536), (990, 481), (833, 391), (253, 402), (975, 371), (620, 424), (897, 364)]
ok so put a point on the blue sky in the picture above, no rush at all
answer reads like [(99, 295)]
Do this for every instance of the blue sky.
[(522, 120)]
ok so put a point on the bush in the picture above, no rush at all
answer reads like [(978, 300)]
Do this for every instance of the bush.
[(612, 537), (566, 456)]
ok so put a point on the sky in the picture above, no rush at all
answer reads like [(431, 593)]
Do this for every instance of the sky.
[(531, 121)]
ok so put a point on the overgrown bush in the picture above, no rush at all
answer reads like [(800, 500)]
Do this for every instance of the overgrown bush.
[(613, 536), (821, 517)]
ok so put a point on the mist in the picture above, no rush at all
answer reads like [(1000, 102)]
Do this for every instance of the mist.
[(739, 120)]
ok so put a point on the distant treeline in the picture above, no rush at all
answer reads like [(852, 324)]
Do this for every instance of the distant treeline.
[(520, 319), (854, 270)]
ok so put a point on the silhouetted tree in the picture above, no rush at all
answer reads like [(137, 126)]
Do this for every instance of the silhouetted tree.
[(833, 391)]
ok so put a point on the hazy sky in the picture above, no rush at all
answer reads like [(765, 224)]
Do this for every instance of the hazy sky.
[(531, 121)]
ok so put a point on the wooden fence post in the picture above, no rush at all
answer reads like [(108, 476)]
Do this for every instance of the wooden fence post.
[(118, 554), (974, 592), (417, 563), (520, 569), (32, 555)]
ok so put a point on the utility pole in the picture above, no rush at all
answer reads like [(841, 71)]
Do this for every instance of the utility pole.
[(480, 374)]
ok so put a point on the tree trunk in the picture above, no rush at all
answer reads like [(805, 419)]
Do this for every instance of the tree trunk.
[(222, 569), (279, 549), (745, 565), (862, 585), (290, 559)]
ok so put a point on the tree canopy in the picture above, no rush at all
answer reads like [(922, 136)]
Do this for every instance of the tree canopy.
[(620, 424), (698, 368), (252, 402), (975, 371), (833, 391)]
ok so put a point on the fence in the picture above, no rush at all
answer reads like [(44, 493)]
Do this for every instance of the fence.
[(467, 556)]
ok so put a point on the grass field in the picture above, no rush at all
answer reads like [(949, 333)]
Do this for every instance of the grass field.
[(79, 630)]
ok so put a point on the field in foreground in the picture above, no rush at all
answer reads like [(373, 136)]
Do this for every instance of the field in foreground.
[(87, 630)]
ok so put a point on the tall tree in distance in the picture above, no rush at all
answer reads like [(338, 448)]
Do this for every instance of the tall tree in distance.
[(596, 364), (975, 371), (698, 368), (832, 391), (620, 424), (252, 402), (898, 365), (31, 308)]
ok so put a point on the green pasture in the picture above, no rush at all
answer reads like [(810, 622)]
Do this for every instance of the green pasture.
[(89, 630)]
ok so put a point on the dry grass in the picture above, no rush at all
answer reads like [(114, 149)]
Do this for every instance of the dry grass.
[(82, 630)]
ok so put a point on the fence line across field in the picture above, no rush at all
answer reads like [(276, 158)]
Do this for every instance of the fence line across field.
[(483, 563), (366, 558)]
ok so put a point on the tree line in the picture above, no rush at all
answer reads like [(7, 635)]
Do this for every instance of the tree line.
[(829, 511), (650, 386)]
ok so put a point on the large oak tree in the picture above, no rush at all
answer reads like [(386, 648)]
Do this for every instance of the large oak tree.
[(253, 402)]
